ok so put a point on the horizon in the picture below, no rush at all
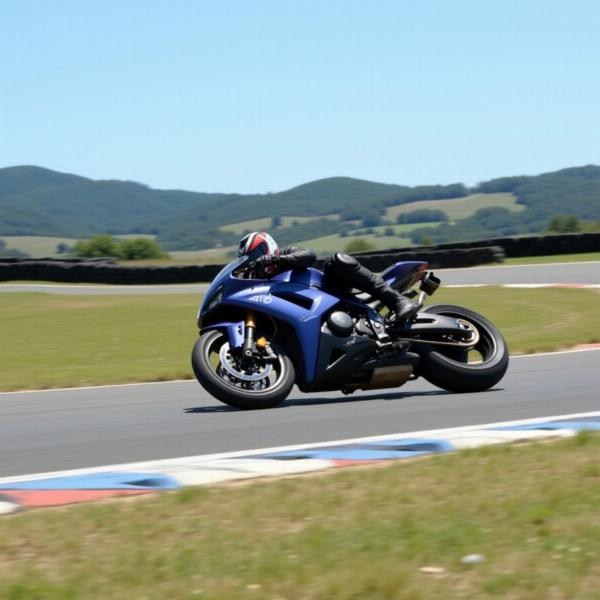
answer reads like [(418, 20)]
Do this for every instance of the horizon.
[(180, 189), (251, 98)]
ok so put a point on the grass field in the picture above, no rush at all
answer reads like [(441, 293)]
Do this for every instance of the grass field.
[(265, 223), (37, 246), (459, 208), (531, 512), (322, 245), (56, 341), (328, 244), (40, 246)]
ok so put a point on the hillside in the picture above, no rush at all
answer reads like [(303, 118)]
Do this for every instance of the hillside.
[(39, 202), (36, 201), (573, 191)]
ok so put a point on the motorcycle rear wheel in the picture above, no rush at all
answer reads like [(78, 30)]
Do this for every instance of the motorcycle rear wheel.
[(261, 392), (449, 368)]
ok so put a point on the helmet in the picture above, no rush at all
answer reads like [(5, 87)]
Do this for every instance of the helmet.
[(257, 244)]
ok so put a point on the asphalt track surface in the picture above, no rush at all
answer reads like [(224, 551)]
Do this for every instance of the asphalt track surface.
[(63, 429), (580, 272), (87, 427)]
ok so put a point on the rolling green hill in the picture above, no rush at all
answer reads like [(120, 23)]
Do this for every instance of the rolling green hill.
[(39, 202)]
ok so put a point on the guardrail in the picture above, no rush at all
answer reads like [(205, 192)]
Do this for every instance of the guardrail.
[(105, 270)]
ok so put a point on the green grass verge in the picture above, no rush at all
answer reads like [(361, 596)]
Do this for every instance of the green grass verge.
[(55, 341), (530, 510)]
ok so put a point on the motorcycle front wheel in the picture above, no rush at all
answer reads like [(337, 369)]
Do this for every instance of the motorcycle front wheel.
[(245, 385), (465, 370)]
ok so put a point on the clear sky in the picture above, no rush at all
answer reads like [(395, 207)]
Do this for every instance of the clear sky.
[(262, 95)]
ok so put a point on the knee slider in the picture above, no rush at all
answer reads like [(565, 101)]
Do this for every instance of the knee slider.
[(345, 262)]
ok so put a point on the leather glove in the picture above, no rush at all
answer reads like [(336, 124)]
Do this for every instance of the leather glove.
[(265, 259)]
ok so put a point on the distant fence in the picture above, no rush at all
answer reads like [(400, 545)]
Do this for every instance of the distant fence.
[(444, 256), (102, 271), (107, 271)]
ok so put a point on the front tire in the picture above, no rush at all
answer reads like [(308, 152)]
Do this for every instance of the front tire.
[(449, 368), (257, 392)]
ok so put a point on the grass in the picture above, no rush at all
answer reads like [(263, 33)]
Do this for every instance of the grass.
[(328, 244), (357, 533), (54, 341), (61, 341), (265, 223), (41, 246), (37, 246), (459, 208), (533, 320)]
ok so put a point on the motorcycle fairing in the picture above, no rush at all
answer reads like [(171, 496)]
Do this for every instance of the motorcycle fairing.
[(308, 277), (403, 275), (303, 308), (235, 332), (287, 296), (295, 297)]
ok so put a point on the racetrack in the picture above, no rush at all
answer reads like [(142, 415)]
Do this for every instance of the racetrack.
[(581, 273), (62, 429)]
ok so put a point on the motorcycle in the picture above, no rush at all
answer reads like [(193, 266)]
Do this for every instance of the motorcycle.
[(259, 337)]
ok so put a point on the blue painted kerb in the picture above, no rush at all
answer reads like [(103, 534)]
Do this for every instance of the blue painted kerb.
[(555, 425), (99, 481), (391, 449)]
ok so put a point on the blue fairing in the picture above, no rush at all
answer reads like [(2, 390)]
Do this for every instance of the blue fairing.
[(403, 275), (295, 297)]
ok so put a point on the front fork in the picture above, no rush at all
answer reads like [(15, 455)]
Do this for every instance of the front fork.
[(249, 330)]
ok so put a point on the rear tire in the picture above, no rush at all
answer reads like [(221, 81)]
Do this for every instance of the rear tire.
[(219, 384), (447, 367)]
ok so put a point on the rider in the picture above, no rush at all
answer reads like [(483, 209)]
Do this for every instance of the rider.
[(340, 270)]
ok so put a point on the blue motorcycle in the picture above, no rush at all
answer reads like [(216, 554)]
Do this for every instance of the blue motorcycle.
[(259, 337)]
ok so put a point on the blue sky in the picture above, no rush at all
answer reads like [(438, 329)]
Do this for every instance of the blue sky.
[(262, 95)]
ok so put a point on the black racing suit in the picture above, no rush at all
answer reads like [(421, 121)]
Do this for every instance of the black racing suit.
[(343, 272)]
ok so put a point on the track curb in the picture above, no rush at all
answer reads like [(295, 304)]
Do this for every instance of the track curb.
[(83, 485)]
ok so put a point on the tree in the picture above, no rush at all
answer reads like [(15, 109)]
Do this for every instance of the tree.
[(423, 215), (371, 218), (276, 222), (99, 245), (140, 248), (105, 245), (359, 245), (389, 231), (564, 224)]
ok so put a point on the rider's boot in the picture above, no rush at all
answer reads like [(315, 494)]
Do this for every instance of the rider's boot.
[(401, 307)]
